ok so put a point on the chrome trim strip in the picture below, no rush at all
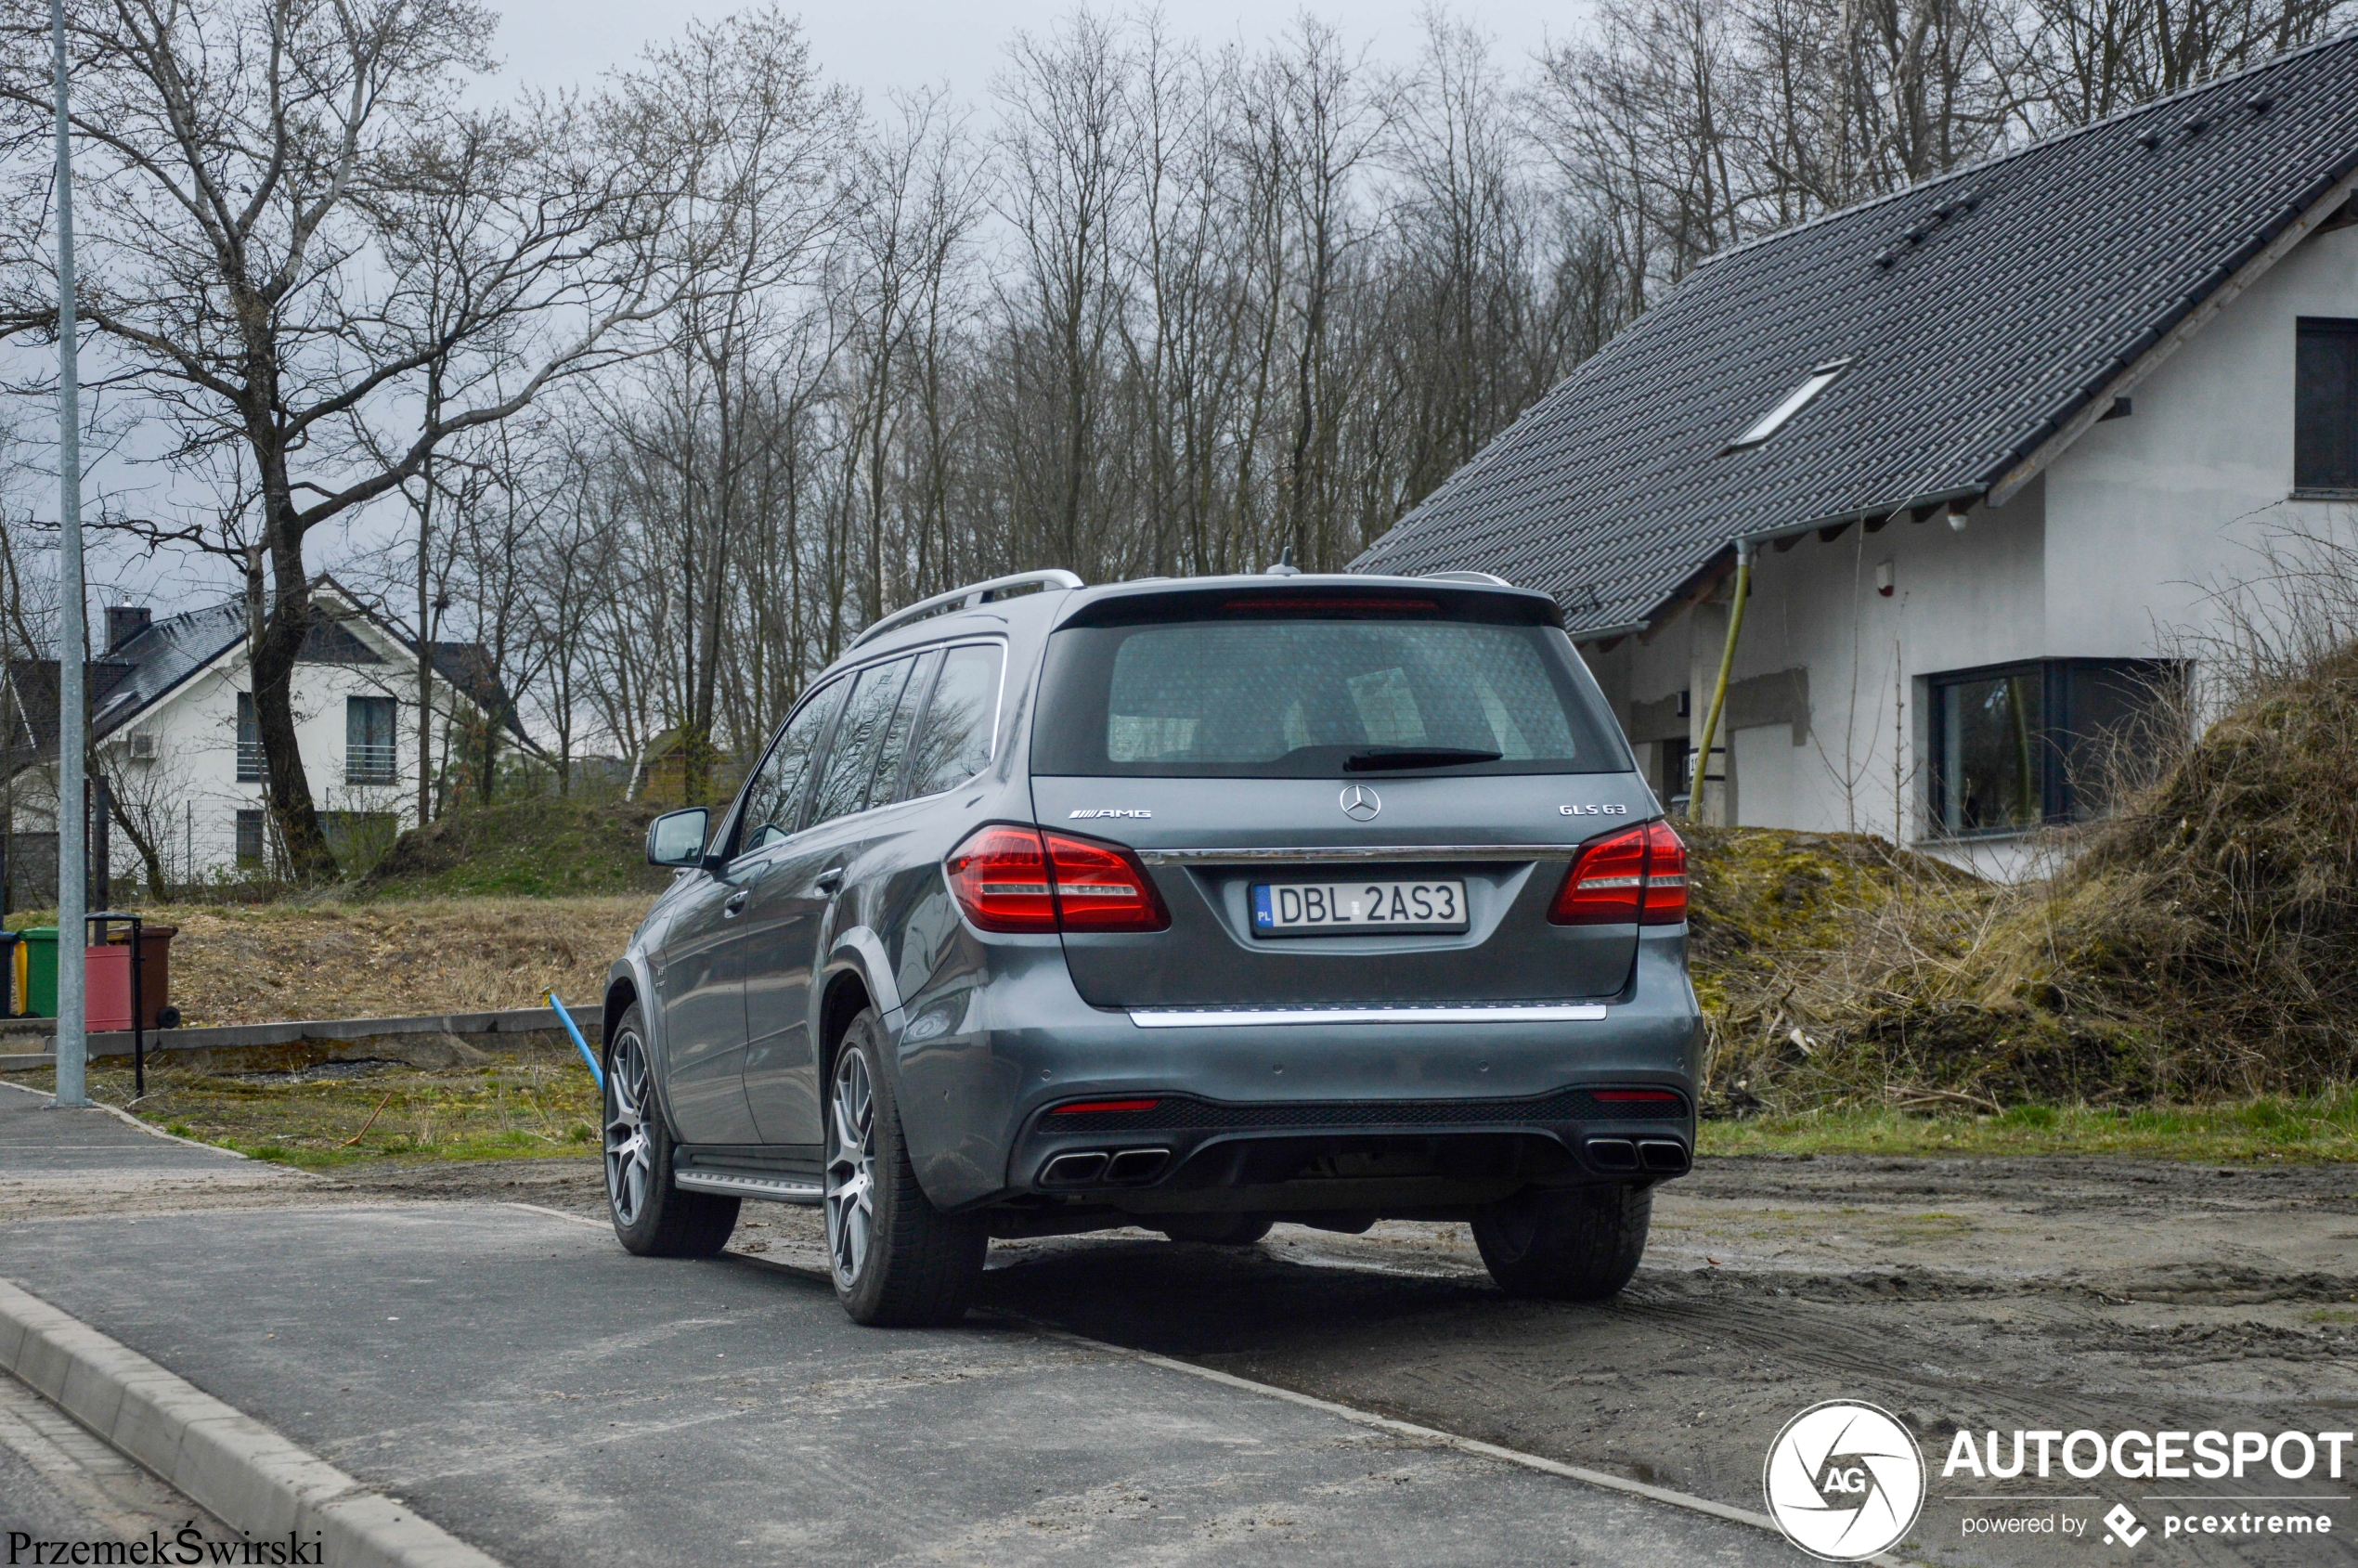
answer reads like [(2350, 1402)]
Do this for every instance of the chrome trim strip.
[(1239, 1018), (1328, 854), (779, 1189)]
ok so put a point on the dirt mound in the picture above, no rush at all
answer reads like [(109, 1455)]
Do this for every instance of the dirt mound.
[(2203, 942), (539, 846)]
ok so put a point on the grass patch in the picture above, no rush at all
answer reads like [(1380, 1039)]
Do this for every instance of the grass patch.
[(532, 1103), (539, 846), (2317, 1127)]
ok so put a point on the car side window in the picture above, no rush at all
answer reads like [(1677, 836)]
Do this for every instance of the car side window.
[(774, 798), (954, 743), (881, 791), (851, 754)]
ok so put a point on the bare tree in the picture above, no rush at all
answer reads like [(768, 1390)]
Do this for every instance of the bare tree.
[(238, 166)]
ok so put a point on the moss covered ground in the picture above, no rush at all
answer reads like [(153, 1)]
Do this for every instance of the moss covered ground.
[(536, 1101)]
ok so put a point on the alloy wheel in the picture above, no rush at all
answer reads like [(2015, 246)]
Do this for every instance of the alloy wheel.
[(851, 1168), (630, 1152)]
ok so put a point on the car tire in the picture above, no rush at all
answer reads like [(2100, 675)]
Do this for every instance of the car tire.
[(897, 1261), (653, 1216), (1217, 1230), (1577, 1244)]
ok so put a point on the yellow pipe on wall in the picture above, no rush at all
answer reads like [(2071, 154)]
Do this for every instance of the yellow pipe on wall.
[(1719, 688)]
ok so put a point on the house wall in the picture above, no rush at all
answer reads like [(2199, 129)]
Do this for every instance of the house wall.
[(193, 784), (2117, 552), (189, 793)]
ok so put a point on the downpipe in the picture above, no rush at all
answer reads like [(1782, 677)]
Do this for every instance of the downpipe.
[(1719, 688)]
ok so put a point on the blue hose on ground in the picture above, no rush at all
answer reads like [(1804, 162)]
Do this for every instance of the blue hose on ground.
[(588, 1056)]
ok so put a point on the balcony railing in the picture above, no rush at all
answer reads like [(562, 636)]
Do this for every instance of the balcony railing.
[(372, 764)]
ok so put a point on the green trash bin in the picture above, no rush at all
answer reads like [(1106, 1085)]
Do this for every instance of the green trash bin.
[(40, 970)]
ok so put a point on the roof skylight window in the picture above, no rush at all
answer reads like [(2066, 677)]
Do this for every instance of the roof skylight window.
[(1800, 398)]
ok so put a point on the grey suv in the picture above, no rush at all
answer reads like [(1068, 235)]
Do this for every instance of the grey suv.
[(1194, 904)]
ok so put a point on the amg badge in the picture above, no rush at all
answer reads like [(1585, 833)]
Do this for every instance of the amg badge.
[(1088, 812)]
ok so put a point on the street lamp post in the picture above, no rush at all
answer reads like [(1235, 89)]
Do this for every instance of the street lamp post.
[(72, 1046)]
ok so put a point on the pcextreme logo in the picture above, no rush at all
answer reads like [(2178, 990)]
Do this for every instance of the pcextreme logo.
[(1843, 1481)]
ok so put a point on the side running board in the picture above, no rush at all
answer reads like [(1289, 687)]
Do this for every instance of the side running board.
[(768, 1185)]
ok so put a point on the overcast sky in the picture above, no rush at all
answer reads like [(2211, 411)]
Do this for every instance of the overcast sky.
[(876, 44), (869, 45)]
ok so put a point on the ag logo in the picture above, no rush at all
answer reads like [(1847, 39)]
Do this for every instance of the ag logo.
[(1361, 803), (1843, 1481)]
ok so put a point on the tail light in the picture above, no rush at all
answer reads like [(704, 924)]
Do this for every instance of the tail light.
[(1639, 876), (1665, 903), (1001, 878), (1021, 879), (1101, 886)]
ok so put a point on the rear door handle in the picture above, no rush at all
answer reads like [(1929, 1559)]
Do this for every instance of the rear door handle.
[(737, 904), (829, 880)]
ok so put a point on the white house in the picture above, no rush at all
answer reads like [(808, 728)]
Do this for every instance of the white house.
[(1990, 448), (172, 726)]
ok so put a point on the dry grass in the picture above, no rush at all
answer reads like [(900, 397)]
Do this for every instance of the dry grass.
[(258, 964)]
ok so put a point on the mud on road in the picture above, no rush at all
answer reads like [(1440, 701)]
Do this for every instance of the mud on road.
[(2040, 1294)]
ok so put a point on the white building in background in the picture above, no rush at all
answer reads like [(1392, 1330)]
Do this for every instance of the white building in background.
[(172, 726), (1996, 445)]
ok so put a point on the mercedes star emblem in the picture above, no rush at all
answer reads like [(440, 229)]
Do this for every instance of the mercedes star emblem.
[(1361, 803)]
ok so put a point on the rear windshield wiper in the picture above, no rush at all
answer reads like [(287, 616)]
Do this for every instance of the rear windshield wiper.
[(1379, 757)]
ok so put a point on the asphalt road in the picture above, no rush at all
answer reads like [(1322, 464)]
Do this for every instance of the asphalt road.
[(525, 1384)]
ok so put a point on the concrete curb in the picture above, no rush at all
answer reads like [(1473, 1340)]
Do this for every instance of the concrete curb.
[(251, 1478)]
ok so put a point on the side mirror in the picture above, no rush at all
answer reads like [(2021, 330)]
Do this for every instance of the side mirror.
[(676, 837)]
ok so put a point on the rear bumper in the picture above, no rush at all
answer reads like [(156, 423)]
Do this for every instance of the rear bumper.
[(1389, 1116), (1179, 1154)]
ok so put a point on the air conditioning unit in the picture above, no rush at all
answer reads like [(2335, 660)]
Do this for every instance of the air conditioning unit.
[(143, 748)]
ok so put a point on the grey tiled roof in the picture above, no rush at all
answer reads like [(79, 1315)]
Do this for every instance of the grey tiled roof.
[(1980, 311), (161, 656)]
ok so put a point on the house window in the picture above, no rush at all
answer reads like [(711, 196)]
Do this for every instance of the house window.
[(369, 745), (249, 741), (2019, 747), (1674, 769), (249, 841), (2325, 441), (1800, 398)]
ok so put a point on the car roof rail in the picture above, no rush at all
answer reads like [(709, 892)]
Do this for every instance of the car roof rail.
[(969, 596), (1491, 578)]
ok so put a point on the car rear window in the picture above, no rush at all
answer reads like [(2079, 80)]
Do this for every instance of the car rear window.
[(1310, 697)]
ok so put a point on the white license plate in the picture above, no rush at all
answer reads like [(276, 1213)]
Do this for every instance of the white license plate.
[(1291, 909)]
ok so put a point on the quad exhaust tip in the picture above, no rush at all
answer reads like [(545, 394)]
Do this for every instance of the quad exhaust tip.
[(1662, 1156), (1073, 1170), (1129, 1167), (1137, 1164)]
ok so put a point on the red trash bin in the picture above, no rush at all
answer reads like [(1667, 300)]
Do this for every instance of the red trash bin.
[(107, 1001), (155, 969)]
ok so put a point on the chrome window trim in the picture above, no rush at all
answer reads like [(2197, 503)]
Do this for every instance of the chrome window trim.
[(1349, 854), (1263, 1017)]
